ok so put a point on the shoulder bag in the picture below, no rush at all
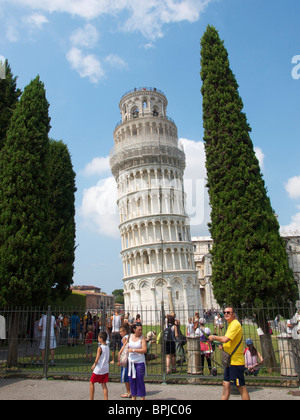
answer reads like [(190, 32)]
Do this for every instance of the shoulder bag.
[(212, 344), (226, 357), (124, 356)]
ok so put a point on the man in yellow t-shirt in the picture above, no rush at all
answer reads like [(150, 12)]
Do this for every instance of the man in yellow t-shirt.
[(234, 374)]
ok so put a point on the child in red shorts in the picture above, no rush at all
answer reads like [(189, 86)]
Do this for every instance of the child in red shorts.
[(101, 367)]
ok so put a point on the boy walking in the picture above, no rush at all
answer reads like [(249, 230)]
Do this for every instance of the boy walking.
[(101, 367)]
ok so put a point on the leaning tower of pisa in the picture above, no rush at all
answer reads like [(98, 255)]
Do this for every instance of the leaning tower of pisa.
[(148, 165)]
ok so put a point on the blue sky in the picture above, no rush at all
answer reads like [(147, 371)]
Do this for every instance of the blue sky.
[(89, 53)]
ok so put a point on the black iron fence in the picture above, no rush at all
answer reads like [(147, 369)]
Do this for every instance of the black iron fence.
[(53, 343)]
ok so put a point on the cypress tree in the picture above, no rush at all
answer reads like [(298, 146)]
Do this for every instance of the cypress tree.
[(250, 264), (9, 95), (62, 218), (249, 261), (25, 275)]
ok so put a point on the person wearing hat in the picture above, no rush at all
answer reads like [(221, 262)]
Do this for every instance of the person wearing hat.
[(251, 358)]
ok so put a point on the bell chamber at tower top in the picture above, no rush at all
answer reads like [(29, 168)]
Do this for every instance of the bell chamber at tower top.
[(144, 115), (145, 133), (141, 102)]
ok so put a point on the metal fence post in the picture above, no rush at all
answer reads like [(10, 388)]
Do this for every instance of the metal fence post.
[(163, 350), (47, 343)]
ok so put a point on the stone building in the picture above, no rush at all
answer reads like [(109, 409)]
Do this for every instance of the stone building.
[(202, 256), (148, 165), (292, 240), (95, 299), (202, 247)]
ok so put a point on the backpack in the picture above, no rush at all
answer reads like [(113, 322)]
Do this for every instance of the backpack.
[(181, 338), (168, 333)]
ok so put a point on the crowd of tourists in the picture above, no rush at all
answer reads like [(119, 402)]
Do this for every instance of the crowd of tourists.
[(133, 349), (72, 330), (121, 341)]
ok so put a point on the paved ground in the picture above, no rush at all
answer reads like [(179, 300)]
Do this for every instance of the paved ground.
[(31, 389)]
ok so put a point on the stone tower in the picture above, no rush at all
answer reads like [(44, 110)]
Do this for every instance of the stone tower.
[(148, 165)]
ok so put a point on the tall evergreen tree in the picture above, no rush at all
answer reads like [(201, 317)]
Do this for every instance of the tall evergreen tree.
[(9, 95), (62, 218), (25, 274), (250, 264)]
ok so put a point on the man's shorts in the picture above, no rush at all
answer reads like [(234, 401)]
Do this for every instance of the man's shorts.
[(100, 379), (115, 341), (235, 375), (170, 347)]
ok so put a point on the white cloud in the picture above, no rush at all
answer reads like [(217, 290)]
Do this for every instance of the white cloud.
[(35, 21), (195, 159), (85, 37), (115, 61), (260, 156), (293, 187), (145, 16), (149, 16), (97, 166), (148, 46), (197, 201), (20, 28), (12, 34), (294, 226), (99, 207), (86, 65), (87, 9)]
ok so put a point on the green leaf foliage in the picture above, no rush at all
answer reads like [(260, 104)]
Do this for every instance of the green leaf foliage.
[(25, 274), (250, 264), (62, 218), (118, 295), (9, 95)]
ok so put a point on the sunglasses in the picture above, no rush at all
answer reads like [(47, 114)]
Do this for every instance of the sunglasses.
[(228, 312)]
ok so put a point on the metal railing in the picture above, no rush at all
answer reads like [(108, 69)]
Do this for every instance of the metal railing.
[(143, 89), (51, 342)]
